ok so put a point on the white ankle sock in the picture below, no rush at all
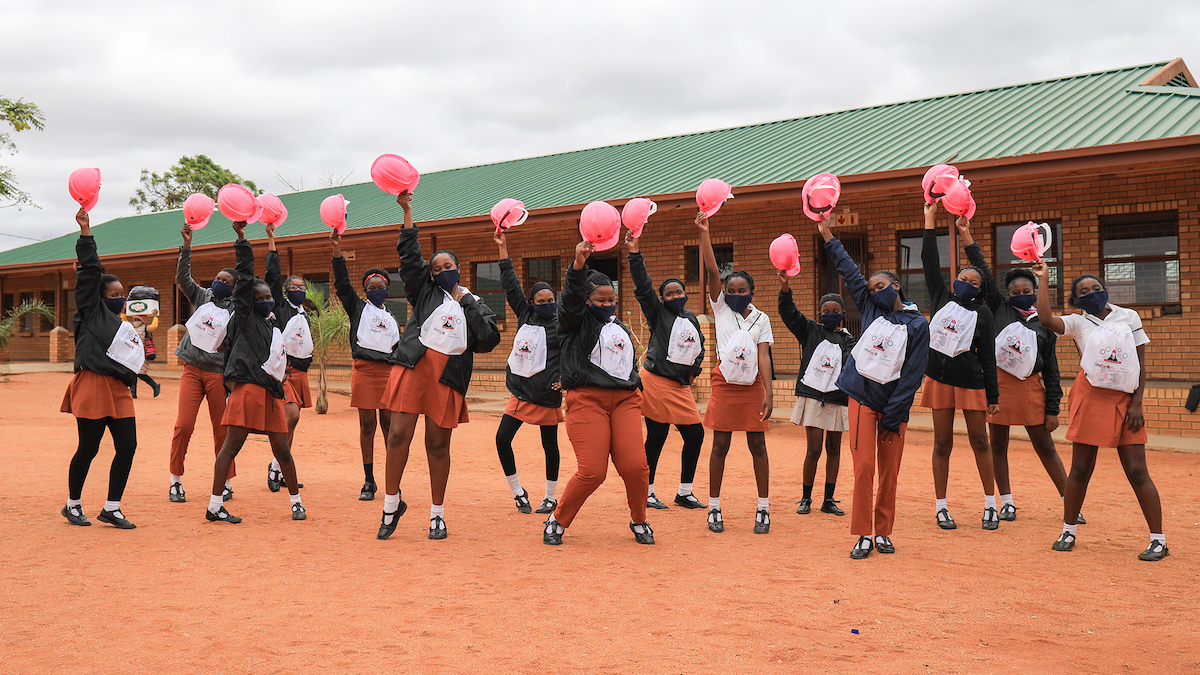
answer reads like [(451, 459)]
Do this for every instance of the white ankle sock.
[(215, 502), (1006, 500), (941, 504), (295, 498), (863, 542), (176, 479), (685, 489), (275, 465), (650, 491), (391, 503), (764, 504), (989, 501), (551, 489), (879, 539), (553, 526), (638, 528), (436, 510), (1159, 537), (514, 484), (714, 503), (74, 502), (111, 506), (1069, 529), (228, 484)]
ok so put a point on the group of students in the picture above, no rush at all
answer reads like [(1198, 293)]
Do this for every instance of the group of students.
[(986, 351)]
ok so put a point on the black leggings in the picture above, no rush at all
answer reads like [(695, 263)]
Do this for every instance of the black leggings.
[(124, 435), (504, 438), (144, 377), (693, 442)]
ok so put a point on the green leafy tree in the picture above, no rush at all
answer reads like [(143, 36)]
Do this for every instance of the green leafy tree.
[(168, 190), (8, 324), (330, 328), (20, 116)]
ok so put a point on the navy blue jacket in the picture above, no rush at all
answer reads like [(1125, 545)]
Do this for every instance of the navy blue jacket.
[(894, 399)]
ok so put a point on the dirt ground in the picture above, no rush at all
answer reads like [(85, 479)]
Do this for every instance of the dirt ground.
[(276, 596)]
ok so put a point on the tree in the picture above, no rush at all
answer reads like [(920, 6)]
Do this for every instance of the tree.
[(190, 175), (20, 116), (8, 324), (330, 328)]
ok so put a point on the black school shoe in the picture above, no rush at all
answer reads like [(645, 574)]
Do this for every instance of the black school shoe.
[(386, 529), (762, 522), (831, 506), (548, 505), (552, 536), (944, 520), (688, 501), (116, 519), (177, 495), (274, 479), (1065, 542), (368, 492), (884, 546), (805, 506), (990, 520), (715, 524), (227, 494), (654, 502), (1156, 552), (437, 528), (74, 516), (859, 552), (298, 512), (647, 535), (1008, 512), (522, 501), (157, 389), (221, 516)]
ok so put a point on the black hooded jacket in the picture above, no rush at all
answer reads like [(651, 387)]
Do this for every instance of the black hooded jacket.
[(661, 321), (578, 333), (95, 324), (354, 308), (249, 334), (811, 334)]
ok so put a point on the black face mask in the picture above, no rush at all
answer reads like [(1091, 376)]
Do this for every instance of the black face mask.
[(221, 290), (738, 303), (447, 279), (676, 305), (263, 307), (1024, 301), (546, 310), (115, 305), (832, 320), (964, 290), (885, 297), (1092, 303), (602, 312), (376, 296), (297, 297)]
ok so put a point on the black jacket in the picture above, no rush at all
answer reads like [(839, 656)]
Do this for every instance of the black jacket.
[(354, 308), (661, 322), (424, 297), (976, 367), (95, 325), (1004, 314), (578, 333), (198, 295), (536, 389), (811, 334), (249, 333), (284, 311)]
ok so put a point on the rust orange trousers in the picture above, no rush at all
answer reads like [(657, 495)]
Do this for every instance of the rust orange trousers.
[(195, 385), (870, 455)]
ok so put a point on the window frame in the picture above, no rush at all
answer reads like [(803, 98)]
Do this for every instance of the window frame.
[(905, 272), (555, 268), (1148, 218), (1002, 243), (726, 268), (502, 314)]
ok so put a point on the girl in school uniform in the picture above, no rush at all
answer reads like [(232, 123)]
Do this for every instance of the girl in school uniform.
[(373, 335), (254, 374), (532, 377), (292, 319), (881, 376), (447, 324), (108, 355), (961, 374), (821, 408), (1026, 372), (1105, 400), (604, 415), (674, 358), (741, 398)]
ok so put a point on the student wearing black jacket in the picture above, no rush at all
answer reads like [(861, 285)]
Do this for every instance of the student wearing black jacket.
[(536, 392), (603, 400), (98, 395), (1026, 372), (373, 335), (821, 408), (447, 324), (292, 320), (963, 381), (674, 357), (254, 375)]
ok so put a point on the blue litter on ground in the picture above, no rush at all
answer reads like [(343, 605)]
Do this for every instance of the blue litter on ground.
[(854, 630)]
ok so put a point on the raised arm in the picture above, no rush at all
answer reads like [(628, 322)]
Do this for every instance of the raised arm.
[(643, 285), (931, 262), (196, 294), (574, 294), (513, 293), (792, 317), (975, 256), (243, 290), (1045, 313), (89, 271), (710, 259), (341, 279), (274, 275)]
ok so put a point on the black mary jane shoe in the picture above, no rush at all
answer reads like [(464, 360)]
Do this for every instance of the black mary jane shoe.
[(805, 506), (762, 522), (75, 516), (437, 527), (944, 520), (990, 520), (177, 495), (646, 536), (221, 516), (367, 494), (298, 512), (386, 529), (522, 501), (227, 494), (689, 501), (1157, 551), (884, 546), (1079, 520), (1065, 542), (274, 479), (552, 534), (1008, 512), (548, 505), (653, 502), (715, 524), (116, 519), (831, 506), (859, 552), (157, 389)]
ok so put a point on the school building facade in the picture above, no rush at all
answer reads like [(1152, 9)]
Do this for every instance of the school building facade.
[(1110, 160)]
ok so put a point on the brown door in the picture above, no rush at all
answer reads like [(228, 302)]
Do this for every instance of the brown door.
[(829, 281)]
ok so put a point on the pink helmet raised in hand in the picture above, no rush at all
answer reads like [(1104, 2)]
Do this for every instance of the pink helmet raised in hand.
[(508, 213), (635, 213), (785, 254), (237, 202), (600, 223), (712, 195), (820, 195), (1028, 244), (273, 210), (393, 174), (333, 212), (84, 186), (197, 209)]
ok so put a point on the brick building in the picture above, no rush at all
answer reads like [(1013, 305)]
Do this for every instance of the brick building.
[(1111, 160)]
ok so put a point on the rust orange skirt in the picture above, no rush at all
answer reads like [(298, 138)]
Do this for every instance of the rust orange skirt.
[(531, 413), (368, 382), (939, 396), (734, 407), (296, 389), (666, 401), (417, 390), (1022, 402), (255, 408), (92, 396), (1098, 416)]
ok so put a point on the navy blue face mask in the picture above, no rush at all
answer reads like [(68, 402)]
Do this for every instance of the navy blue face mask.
[(602, 312), (676, 305), (546, 310), (221, 290), (447, 279), (964, 290), (832, 320), (885, 297), (738, 303), (1023, 302), (297, 297), (376, 296), (1092, 303), (263, 307), (115, 305)]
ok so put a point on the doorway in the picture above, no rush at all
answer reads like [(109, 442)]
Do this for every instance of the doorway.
[(829, 281)]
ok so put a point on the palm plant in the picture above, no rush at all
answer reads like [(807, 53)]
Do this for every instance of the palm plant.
[(8, 325), (330, 328)]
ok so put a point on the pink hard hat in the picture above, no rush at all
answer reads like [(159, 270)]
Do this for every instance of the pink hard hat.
[(711, 196), (600, 223), (937, 181), (84, 186), (393, 174), (333, 212), (197, 209), (635, 213), (1027, 243), (785, 254), (958, 199), (237, 202), (273, 211), (508, 213), (820, 195)]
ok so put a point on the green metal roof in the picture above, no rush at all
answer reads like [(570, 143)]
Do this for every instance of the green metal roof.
[(1072, 112)]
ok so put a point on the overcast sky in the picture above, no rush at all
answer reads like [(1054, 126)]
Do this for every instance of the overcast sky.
[(305, 89)]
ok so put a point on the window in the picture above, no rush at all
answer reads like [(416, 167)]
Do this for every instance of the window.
[(489, 289), (542, 269), (397, 302), (7, 304), (723, 254), (29, 321), (50, 301), (912, 274), (1141, 258), (1005, 260)]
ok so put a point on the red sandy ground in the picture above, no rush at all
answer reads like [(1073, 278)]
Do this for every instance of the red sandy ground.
[(179, 594)]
